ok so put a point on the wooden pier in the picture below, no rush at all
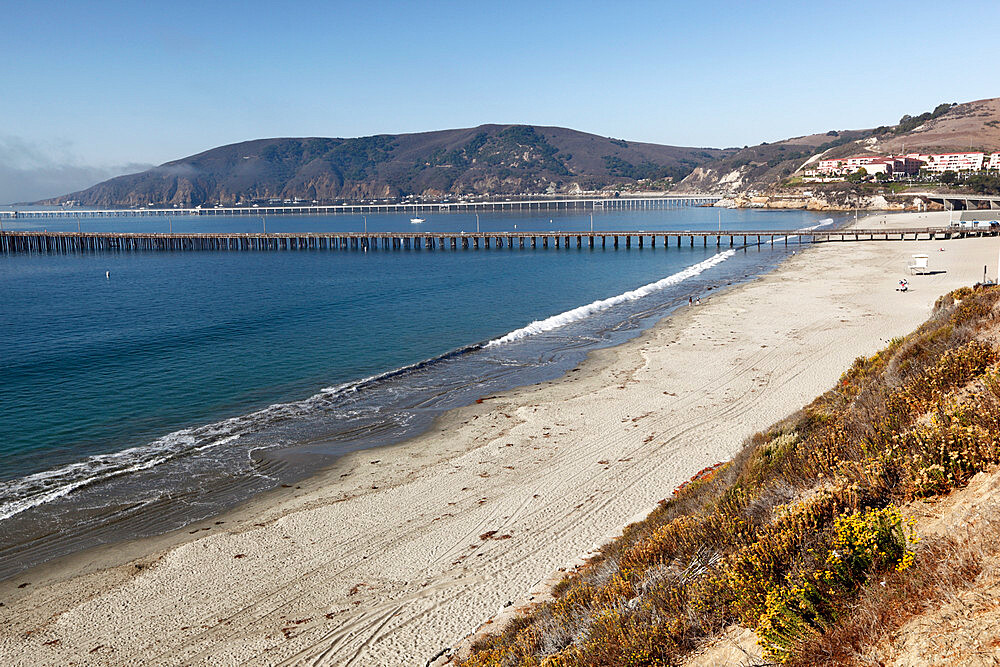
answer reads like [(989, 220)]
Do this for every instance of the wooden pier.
[(77, 242), (625, 203)]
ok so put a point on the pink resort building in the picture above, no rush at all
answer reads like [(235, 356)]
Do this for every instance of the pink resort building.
[(909, 164)]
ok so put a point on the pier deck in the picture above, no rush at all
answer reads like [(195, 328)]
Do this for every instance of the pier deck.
[(626, 203), (69, 242)]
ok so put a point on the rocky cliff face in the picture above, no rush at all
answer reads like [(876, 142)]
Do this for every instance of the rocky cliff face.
[(486, 160), (861, 202), (831, 197), (758, 167)]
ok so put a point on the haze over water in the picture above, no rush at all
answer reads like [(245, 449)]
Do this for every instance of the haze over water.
[(187, 382)]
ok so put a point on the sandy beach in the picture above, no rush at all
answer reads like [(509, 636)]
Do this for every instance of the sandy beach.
[(397, 553)]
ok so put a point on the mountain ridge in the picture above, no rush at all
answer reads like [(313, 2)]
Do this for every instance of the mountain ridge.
[(486, 160)]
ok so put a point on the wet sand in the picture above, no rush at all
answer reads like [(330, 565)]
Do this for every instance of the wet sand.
[(394, 554)]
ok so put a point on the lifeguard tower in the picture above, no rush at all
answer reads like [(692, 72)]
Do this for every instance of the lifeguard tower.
[(919, 264)]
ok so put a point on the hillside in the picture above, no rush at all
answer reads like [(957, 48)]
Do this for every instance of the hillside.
[(948, 128), (864, 529), (766, 164), (485, 160), (973, 126)]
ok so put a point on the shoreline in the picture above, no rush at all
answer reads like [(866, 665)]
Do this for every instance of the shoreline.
[(109, 554), (405, 556), (95, 558)]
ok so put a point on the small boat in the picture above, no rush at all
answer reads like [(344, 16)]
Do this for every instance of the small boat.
[(417, 221)]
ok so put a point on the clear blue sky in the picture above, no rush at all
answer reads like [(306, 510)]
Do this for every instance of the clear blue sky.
[(105, 84)]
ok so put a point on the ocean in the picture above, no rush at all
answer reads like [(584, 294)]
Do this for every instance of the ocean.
[(142, 391)]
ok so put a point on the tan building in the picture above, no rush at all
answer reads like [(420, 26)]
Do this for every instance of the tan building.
[(879, 166)]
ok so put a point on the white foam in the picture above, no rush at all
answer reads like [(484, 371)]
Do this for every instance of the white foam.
[(581, 312), (18, 495), (803, 230), (347, 386), (822, 223), (13, 507), (48, 485)]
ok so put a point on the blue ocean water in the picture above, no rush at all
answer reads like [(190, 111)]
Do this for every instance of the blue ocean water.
[(187, 382)]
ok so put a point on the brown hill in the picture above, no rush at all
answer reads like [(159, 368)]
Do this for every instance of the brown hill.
[(973, 126), (485, 160)]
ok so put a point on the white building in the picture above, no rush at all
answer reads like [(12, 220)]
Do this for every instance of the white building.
[(829, 166), (873, 164), (942, 162), (846, 165)]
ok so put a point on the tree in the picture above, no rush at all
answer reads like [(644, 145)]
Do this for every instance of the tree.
[(882, 176), (858, 176), (949, 177), (987, 184), (941, 108)]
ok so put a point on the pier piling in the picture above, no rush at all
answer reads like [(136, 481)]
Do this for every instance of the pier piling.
[(44, 242)]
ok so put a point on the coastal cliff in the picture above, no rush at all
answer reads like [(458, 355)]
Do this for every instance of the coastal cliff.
[(844, 200)]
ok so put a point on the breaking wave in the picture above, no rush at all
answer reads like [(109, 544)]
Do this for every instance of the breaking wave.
[(579, 313), (18, 495)]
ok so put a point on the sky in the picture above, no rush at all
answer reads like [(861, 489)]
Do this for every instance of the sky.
[(93, 89)]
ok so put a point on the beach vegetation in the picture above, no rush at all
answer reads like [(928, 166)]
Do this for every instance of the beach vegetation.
[(803, 536)]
